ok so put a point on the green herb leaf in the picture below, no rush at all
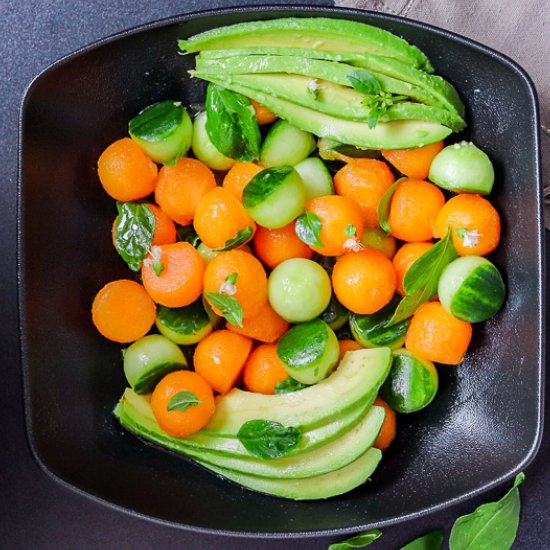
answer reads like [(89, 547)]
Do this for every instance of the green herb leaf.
[(461, 232), (374, 116), (289, 385), (364, 82), (187, 234), (421, 280), (232, 279), (229, 306), (384, 206), (308, 228), (231, 124), (182, 400), (268, 439), (430, 541), (158, 268), (358, 541), (134, 232), (241, 237), (157, 122), (350, 231), (493, 525)]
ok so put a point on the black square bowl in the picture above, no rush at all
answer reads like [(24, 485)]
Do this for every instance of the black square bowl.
[(485, 424)]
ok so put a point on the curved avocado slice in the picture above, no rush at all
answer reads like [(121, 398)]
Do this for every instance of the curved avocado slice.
[(318, 487), (309, 33), (395, 134)]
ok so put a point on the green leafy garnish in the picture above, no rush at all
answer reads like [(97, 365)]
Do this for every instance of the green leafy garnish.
[(229, 306), (187, 234), (313, 88), (384, 206), (158, 268), (430, 541), (350, 231), (241, 237), (268, 439), (134, 232), (358, 541), (232, 279), (491, 525), (376, 100), (421, 280), (182, 400), (308, 228), (231, 124), (289, 385)]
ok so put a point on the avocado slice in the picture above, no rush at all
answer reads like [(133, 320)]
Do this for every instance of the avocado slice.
[(340, 101), (309, 33), (318, 487), (395, 134)]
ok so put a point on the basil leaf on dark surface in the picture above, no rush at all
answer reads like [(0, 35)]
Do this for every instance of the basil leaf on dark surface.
[(430, 541), (134, 232), (384, 206), (182, 400), (421, 284), (492, 526), (231, 124), (289, 385), (242, 236), (268, 439), (308, 228), (364, 82), (229, 307), (358, 541), (187, 234)]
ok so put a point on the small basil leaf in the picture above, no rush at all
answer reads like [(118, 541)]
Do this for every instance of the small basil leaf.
[(374, 116), (187, 234), (231, 124), (134, 232), (232, 279), (422, 283), (364, 82), (350, 231), (158, 268), (358, 541), (491, 525), (268, 439), (384, 206), (430, 541), (240, 238), (289, 385), (182, 400), (308, 228), (229, 306)]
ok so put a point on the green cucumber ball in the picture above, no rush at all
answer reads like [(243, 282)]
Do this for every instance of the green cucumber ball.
[(309, 351), (463, 168), (149, 359), (299, 290), (204, 149), (411, 384), (471, 289)]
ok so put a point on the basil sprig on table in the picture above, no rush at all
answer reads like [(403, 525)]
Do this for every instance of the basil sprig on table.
[(134, 232), (182, 400), (231, 124), (421, 280), (268, 439)]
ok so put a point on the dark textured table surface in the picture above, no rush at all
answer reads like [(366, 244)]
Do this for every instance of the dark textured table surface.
[(35, 512)]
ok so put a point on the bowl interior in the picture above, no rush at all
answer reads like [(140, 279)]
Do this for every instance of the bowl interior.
[(485, 422)]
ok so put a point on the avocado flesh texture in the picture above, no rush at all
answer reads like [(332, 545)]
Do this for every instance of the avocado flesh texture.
[(309, 33), (138, 418), (134, 412), (340, 101), (340, 64), (396, 134), (318, 487)]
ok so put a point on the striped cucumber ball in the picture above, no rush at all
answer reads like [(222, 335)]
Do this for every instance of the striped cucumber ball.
[(471, 288)]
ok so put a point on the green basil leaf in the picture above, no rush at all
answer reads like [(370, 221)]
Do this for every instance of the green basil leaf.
[(384, 206), (158, 268), (308, 228), (187, 234), (430, 541), (182, 400), (231, 124), (350, 231), (134, 232), (421, 285), (289, 385), (232, 279), (364, 82), (241, 237), (491, 526), (268, 439), (157, 122), (374, 116), (358, 541), (229, 306)]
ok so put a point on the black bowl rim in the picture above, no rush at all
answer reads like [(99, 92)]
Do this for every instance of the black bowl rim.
[(320, 11)]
